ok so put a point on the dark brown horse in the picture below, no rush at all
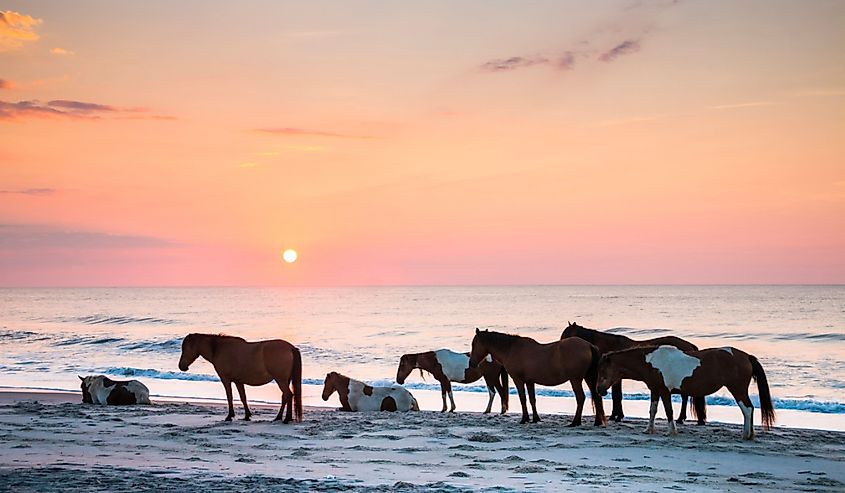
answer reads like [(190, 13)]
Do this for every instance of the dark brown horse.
[(528, 363), (665, 369), (449, 366), (250, 363), (607, 342)]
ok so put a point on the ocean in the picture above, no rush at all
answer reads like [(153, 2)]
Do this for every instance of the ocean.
[(49, 336)]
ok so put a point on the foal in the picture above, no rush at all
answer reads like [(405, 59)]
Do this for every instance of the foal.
[(250, 363), (665, 369), (528, 363), (607, 342), (448, 366)]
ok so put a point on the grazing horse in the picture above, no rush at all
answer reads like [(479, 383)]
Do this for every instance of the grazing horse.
[(358, 396), (250, 363), (448, 366), (528, 363), (665, 369), (607, 342), (101, 389)]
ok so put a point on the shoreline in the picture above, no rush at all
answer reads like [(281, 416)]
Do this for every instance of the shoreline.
[(186, 446)]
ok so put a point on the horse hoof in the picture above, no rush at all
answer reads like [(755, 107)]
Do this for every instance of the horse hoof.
[(535, 420), (680, 421), (649, 431), (573, 424), (228, 418), (701, 423), (523, 421)]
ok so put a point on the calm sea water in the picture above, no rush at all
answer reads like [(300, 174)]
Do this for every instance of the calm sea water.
[(49, 336)]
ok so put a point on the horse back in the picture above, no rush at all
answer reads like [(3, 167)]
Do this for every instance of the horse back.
[(669, 341)]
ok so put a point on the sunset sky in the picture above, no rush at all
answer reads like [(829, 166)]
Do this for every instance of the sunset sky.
[(475, 142)]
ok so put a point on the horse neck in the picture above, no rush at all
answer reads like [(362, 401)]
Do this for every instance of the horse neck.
[(631, 362), (206, 347), (499, 352), (614, 341)]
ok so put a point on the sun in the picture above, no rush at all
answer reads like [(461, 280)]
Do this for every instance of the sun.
[(289, 255)]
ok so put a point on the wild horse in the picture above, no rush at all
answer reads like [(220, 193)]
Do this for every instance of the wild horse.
[(529, 363), (250, 363), (665, 369), (449, 366), (607, 342)]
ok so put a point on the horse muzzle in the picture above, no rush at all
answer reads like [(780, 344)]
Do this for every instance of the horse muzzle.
[(601, 391), (183, 367)]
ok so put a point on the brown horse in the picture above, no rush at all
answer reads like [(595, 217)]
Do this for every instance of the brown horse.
[(449, 366), (665, 369), (528, 363), (607, 342), (249, 363)]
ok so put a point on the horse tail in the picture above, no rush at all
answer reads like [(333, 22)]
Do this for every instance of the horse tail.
[(592, 379), (296, 379), (766, 406), (699, 408), (503, 375)]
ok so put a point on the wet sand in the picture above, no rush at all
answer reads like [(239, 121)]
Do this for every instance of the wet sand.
[(51, 442)]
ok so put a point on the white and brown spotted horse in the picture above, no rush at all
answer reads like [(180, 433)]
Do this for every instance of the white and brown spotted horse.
[(667, 369), (358, 396), (102, 390), (449, 366)]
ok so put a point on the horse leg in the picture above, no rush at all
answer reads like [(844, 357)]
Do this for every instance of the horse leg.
[(579, 401), (444, 389), (491, 392), (652, 412), (227, 384), (533, 399), (287, 401), (242, 394), (520, 389), (616, 414), (451, 399), (747, 407), (666, 397), (683, 416)]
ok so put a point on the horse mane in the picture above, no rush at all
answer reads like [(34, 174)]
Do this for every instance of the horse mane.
[(220, 336), (499, 339), (630, 350), (591, 334)]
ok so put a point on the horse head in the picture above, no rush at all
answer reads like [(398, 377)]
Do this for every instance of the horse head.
[(330, 385), (609, 374), (190, 351), (407, 363), (571, 330), (479, 348)]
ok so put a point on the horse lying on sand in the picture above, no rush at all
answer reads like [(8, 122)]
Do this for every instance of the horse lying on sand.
[(528, 363), (607, 342), (250, 363), (448, 366), (665, 369), (358, 396), (102, 390)]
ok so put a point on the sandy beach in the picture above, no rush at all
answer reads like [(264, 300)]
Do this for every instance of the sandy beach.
[(51, 442)]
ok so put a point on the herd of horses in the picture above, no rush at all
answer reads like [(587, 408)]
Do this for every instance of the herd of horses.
[(667, 365)]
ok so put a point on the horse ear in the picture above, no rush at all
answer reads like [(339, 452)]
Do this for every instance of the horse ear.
[(81, 378), (476, 330)]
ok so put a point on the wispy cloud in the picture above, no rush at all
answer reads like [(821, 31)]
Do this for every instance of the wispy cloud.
[(303, 132), (16, 29), (30, 191), (623, 33), (64, 108), (26, 236), (822, 92), (6, 84), (61, 52), (513, 63), (749, 104), (624, 48)]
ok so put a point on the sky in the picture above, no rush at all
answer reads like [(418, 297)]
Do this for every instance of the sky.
[(396, 143)]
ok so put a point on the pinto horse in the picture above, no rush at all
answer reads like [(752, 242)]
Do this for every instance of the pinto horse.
[(355, 395), (250, 363), (607, 342), (528, 363), (448, 366), (665, 369)]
